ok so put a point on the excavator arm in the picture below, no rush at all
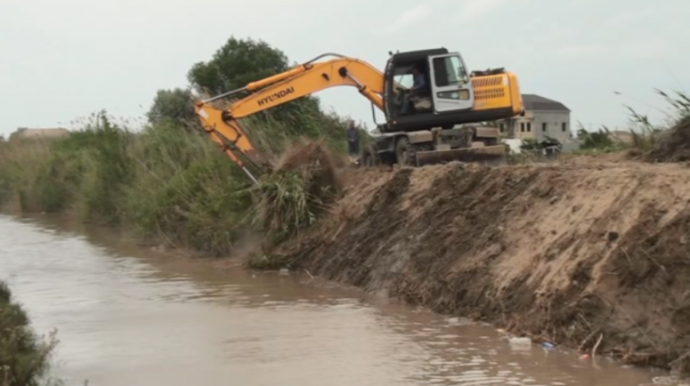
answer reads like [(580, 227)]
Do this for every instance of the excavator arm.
[(223, 125)]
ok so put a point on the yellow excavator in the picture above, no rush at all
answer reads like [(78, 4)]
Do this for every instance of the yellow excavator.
[(429, 99)]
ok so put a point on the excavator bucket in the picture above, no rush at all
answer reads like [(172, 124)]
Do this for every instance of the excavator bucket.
[(489, 155)]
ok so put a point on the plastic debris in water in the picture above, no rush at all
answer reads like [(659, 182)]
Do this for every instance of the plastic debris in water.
[(520, 343), (584, 357), (284, 271), (668, 380), (548, 345)]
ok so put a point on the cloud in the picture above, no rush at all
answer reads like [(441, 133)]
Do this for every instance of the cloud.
[(474, 10), (408, 19)]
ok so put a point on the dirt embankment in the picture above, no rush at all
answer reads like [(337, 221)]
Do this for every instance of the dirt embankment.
[(569, 253)]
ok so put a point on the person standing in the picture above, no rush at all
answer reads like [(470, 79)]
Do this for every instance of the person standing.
[(352, 139)]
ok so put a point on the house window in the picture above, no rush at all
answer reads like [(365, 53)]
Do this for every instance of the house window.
[(503, 127), (522, 127), (529, 126), (564, 127), (543, 127)]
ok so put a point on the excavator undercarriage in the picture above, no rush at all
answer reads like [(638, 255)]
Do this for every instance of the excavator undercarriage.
[(465, 144)]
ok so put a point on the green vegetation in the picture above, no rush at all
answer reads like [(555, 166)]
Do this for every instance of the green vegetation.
[(168, 182), (294, 196), (643, 136), (24, 357), (600, 141)]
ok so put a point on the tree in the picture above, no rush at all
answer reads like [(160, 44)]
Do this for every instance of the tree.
[(172, 105), (240, 62), (235, 64)]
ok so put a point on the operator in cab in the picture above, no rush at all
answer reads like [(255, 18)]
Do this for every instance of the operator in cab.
[(419, 79), (418, 86)]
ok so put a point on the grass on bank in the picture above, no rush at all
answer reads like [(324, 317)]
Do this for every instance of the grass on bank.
[(167, 183), (645, 137)]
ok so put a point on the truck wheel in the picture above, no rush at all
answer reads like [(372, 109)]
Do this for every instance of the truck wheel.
[(369, 157), (404, 152)]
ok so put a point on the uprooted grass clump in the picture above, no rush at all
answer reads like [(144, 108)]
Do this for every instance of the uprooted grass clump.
[(293, 196)]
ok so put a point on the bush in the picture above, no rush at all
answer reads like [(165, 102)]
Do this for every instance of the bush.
[(24, 357), (102, 167), (599, 140), (185, 191)]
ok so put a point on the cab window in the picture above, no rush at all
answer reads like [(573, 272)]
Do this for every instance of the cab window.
[(404, 80), (402, 75), (448, 71)]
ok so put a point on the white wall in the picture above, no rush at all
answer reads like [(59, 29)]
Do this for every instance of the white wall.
[(554, 121)]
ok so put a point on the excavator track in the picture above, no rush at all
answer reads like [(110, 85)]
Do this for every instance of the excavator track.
[(491, 155)]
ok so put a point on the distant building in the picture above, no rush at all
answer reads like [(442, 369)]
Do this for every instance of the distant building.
[(544, 118), (27, 133)]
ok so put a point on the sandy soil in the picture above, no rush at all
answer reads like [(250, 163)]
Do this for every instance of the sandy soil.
[(574, 252)]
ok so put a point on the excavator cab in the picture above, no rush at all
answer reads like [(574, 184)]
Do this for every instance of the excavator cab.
[(433, 88)]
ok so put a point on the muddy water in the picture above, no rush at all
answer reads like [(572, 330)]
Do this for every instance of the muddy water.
[(130, 316)]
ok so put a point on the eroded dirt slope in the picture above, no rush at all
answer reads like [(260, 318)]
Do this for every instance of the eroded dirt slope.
[(568, 253)]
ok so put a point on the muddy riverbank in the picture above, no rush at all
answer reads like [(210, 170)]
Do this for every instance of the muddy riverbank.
[(571, 253), (127, 315)]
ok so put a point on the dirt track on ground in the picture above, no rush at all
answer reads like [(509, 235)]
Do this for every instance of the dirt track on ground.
[(569, 252)]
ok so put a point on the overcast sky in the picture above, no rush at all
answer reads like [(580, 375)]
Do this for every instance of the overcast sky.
[(64, 59)]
